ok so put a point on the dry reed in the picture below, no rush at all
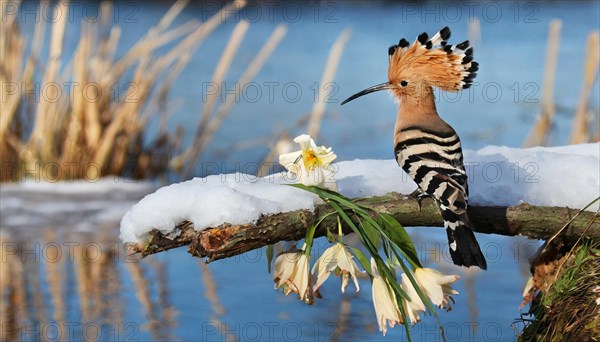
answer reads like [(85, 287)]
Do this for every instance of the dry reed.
[(190, 156), (283, 143), (474, 32), (314, 123), (36, 287), (539, 132), (56, 280), (95, 131), (580, 131), (218, 310)]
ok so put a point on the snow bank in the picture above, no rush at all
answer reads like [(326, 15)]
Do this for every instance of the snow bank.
[(80, 205), (556, 176), (548, 176), (78, 187), (235, 198)]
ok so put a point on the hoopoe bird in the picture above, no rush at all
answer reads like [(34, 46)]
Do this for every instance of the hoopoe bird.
[(425, 146)]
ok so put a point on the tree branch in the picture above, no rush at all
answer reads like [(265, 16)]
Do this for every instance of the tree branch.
[(228, 240)]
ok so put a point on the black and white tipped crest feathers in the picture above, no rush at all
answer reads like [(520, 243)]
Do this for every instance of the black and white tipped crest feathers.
[(449, 67)]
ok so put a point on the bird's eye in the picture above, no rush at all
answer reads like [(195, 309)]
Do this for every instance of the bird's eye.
[(404, 83)]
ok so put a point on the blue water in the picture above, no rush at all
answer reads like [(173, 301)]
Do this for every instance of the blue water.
[(499, 110), (511, 54)]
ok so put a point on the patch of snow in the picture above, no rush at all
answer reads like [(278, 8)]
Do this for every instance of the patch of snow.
[(85, 205), (367, 178), (546, 176), (99, 186), (207, 202)]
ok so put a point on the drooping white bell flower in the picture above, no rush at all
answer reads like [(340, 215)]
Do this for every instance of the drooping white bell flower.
[(416, 305), (291, 272), (436, 286), (336, 257), (384, 301)]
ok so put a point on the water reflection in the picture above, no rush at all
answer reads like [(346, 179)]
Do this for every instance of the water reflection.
[(80, 286), (39, 281), (218, 311)]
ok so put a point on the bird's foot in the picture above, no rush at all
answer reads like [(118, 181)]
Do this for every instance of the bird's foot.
[(419, 195)]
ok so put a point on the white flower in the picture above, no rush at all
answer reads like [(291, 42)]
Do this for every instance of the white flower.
[(291, 272), (384, 301), (528, 287), (415, 305), (336, 257), (310, 165), (436, 286)]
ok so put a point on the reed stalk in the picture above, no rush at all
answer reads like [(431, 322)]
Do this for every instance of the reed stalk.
[(538, 136), (253, 68), (82, 272), (93, 132), (221, 70), (141, 283), (314, 122), (55, 276), (580, 131), (218, 310), (283, 143), (474, 32)]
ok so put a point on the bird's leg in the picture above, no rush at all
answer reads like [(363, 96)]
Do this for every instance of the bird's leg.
[(419, 195)]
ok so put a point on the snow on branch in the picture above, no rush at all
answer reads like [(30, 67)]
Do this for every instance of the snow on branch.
[(229, 240), (513, 191)]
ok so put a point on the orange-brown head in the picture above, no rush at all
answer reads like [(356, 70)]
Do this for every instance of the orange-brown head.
[(415, 69)]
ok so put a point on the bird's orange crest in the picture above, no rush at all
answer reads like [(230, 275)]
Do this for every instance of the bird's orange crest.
[(431, 62)]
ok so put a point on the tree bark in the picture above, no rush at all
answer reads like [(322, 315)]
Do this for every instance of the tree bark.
[(228, 240)]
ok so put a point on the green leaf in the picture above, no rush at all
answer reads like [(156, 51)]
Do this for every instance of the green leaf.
[(308, 240), (269, 252), (344, 216), (396, 243), (384, 270), (328, 194), (404, 320), (370, 232), (365, 240), (365, 215), (389, 275), (362, 259), (330, 236), (360, 232), (399, 236), (310, 233), (387, 248)]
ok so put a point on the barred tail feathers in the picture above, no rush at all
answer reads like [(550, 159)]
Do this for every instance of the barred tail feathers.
[(464, 248)]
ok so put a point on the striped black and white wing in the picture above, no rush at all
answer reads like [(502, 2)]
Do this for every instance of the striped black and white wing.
[(435, 162)]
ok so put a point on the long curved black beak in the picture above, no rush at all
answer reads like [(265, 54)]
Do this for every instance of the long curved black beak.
[(382, 86)]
